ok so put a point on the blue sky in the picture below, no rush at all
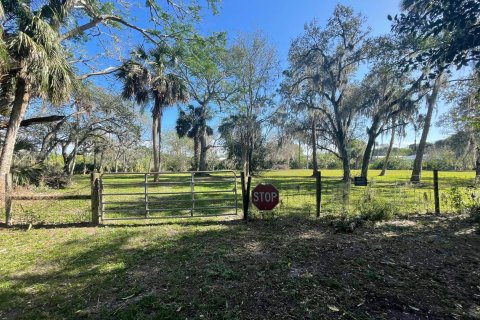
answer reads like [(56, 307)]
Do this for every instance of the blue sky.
[(283, 20), (280, 20)]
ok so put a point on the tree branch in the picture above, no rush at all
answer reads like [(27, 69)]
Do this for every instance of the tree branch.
[(329, 150), (108, 70), (102, 18), (32, 121)]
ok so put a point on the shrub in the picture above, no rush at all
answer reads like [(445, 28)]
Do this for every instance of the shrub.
[(40, 175), (377, 210), (456, 199), (54, 177), (79, 167), (394, 163), (347, 224), (440, 159), (328, 161)]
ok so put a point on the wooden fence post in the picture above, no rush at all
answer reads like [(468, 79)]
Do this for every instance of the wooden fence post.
[(95, 179), (435, 191), (318, 176), (8, 199)]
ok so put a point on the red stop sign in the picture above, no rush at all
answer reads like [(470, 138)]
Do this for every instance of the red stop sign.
[(265, 196)]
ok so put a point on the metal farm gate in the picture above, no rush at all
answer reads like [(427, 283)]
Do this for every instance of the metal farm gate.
[(149, 195)]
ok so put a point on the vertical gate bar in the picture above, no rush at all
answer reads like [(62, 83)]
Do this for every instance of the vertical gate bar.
[(235, 190), (145, 188), (192, 188)]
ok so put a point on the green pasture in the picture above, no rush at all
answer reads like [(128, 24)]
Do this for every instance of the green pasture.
[(215, 194)]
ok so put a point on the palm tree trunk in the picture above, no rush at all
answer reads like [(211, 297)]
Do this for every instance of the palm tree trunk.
[(20, 105), (389, 150), (156, 159), (431, 102), (160, 114)]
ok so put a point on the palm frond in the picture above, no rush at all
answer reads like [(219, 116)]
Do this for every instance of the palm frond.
[(38, 47)]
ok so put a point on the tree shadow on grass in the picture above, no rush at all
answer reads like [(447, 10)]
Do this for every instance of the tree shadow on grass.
[(426, 267)]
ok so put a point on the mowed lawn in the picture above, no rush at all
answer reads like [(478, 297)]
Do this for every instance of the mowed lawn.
[(289, 266)]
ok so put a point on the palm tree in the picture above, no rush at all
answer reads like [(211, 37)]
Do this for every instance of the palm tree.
[(194, 125), (145, 80), (37, 66)]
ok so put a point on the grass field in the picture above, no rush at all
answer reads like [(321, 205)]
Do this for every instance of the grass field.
[(289, 267), (215, 195)]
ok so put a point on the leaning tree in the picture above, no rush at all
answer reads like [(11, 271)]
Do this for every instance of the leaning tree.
[(37, 66)]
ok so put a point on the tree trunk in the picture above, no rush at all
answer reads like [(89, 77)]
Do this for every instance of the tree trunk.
[(73, 162), (389, 150), (299, 152), (47, 145), (203, 151), (345, 156), (196, 150), (345, 163), (156, 159), (474, 158), (73, 158), (245, 166), (431, 102), (65, 157), (20, 105), (160, 115), (314, 146), (84, 164), (100, 164), (367, 155), (95, 153), (250, 150)]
